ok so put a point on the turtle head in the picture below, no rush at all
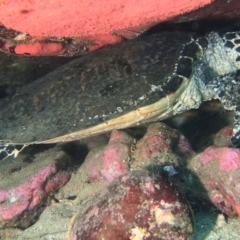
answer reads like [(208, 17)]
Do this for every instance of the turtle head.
[(231, 42)]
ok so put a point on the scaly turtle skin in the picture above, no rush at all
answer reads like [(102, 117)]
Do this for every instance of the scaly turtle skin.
[(146, 79)]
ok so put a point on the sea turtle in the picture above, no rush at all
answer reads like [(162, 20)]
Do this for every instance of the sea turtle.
[(147, 79)]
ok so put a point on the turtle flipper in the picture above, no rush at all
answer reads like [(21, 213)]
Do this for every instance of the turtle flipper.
[(227, 90), (7, 150)]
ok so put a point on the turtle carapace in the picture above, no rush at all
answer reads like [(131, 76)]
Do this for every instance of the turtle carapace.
[(146, 79)]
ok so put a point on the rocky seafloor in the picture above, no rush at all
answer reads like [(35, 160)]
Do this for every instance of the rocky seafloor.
[(172, 180), (137, 183)]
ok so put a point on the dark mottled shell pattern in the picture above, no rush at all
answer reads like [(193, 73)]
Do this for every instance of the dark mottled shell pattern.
[(99, 87)]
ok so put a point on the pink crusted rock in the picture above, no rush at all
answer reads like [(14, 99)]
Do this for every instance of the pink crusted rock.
[(161, 145), (227, 131), (138, 205), (107, 163), (218, 170), (228, 158), (56, 182), (23, 194), (159, 137)]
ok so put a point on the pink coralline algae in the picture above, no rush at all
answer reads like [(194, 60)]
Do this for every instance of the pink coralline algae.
[(228, 158), (218, 170), (161, 145), (19, 205), (159, 138), (137, 205), (107, 163)]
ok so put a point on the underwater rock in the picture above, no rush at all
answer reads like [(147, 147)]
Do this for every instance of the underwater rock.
[(25, 190), (105, 163), (160, 147), (218, 170), (138, 205), (223, 137)]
